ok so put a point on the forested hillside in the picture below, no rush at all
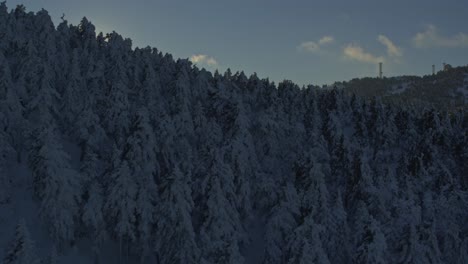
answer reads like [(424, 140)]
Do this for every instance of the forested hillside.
[(447, 90), (114, 154)]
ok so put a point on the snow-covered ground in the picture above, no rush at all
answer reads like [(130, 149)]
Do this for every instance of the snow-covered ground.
[(464, 89), (22, 205), (400, 88)]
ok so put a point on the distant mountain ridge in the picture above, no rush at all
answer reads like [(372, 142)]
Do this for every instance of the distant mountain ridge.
[(447, 90)]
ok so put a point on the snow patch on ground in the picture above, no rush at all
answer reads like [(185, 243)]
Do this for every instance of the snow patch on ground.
[(463, 90), (22, 205)]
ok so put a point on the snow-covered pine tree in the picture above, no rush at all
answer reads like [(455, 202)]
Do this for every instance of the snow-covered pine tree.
[(12, 120), (306, 245), (44, 30), (201, 84), (363, 186), (180, 106), (139, 153), (87, 41), (281, 223), (73, 99), (451, 207), (93, 217), (358, 118), (4, 16), (386, 130), (312, 117), (337, 236), (175, 236), (120, 205), (463, 255), (43, 98), (221, 230), (311, 172), (56, 183), (53, 257), (4, 179), (426, 232), (370, 244), (149, 94), (6, 153), (96, 84), (117, 116), (22, 249), (208, 137), (88, 131), (339, 164), (242, 160)]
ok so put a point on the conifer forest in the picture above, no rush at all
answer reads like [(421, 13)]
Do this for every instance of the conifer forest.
[(116, 154)]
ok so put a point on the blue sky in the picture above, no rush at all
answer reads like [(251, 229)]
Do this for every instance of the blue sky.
[(314, 42)]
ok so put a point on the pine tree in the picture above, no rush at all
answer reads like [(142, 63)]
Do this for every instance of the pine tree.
[(306, 245), (22, 249), (140, 153), (120, 205), (92, 211), (175, 234), (116, 116), (463, 256), (3, 25), (45, 36), (5, 152), (428, 246), (88, 130), (86, 32), (337, 234), (281, 223), (73, 99), (93, 217), (243, 160), (11, 120), (53, 256), (315, 196), (56, 183), (363, 187), (220, 231), (149, 94), (44, 98), (371, 245)]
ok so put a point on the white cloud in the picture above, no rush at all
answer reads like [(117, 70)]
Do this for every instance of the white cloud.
[(314, 46), (326, 40), (432, 38), (309, 46), (392, 49), (355, 52), (203, 59)]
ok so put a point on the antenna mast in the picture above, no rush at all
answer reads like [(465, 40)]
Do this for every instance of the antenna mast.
[(380, 70)]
